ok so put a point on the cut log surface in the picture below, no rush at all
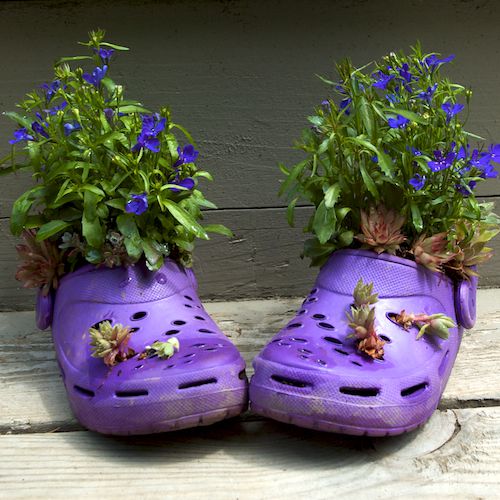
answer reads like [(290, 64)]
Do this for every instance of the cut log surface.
[(44, 453)]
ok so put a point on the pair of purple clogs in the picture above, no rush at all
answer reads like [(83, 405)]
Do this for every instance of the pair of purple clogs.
[(310, 374)]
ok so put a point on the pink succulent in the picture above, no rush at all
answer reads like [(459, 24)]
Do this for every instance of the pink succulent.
[(431, 252), (42, 265), (381, 230)]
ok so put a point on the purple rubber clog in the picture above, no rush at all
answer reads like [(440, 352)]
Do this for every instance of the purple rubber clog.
[(312, 375), (202, 383)]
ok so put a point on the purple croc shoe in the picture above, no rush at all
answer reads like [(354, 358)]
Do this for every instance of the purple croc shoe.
[(202, 383), (312, 375)]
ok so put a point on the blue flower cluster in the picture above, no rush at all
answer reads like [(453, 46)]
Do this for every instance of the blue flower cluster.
[(152, 125)]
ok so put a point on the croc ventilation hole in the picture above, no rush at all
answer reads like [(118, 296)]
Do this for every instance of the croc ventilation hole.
[(318, 316), (84, 392), (299, 340), (96, 325), (310, 300), (290, 382), (326, 326), (188, 297), (131, 394), (198, 345), (200, 318), (301, 312), (414, 390), (135, 329), (138, 367), (385, 338), (333, 340), (363, 392), (198, 383), (356, 363), (341, 351), (294, 325), (172, 332), (189, 306), (189, 355), (178, 322), (138, 315), (206, 330)]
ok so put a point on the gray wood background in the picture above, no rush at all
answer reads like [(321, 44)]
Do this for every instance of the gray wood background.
[(240, 76)]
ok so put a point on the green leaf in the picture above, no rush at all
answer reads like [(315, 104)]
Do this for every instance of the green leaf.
[(92, 231), (385, 163), (366, 116), (324, 222), (118, 203), (290, 212), (154, 259), (332, 195), (114, 46), (93, 189), (294, 173), (128, 228), (21, 120), (72, 58), (416, 217), (21, 208), (410, 115), (185, 218), (51, 228), (370, 185), (218, 229), (132, 109), (188, 136), (345, 238)]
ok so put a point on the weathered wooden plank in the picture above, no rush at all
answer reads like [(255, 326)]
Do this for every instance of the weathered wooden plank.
[(456, 455), (237, 75), (262, 260), (32, 395)]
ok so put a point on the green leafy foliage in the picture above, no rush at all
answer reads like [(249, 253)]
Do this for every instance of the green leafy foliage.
[(392, 135), (106, 169)]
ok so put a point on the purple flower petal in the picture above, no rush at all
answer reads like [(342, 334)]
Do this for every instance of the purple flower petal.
[(138, 204)]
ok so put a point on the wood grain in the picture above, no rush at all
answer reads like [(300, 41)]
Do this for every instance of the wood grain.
[(240, 75), (32, 397), (456, 455), (262, 260)]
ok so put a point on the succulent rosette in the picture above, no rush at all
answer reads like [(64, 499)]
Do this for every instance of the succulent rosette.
[(114, 181), (391, 167)]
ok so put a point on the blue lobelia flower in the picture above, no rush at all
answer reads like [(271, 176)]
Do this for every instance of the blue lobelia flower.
[(442, 161), (494, 152), (109, 114), (404, 73), (69, 128), (433, 61), (451, 110), (398, 122), (96, 77), (186, 155), (53, 111), (105, 54), (38, 128), (393, 98), (463, 189), (187, 183), (428, 94), (21, 134), (50, 89), (326, 106), (418, 181), (344, 104), (152, 125), (381, 79), (138, 204)]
